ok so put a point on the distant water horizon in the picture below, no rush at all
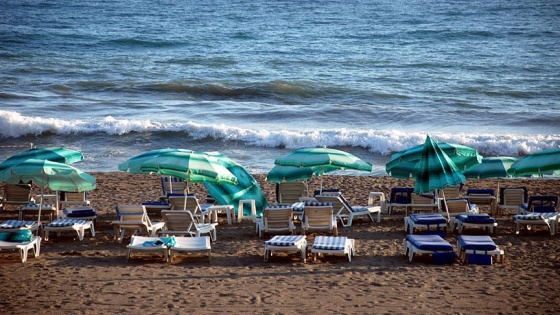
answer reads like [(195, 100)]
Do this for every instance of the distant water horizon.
[(255, 80)]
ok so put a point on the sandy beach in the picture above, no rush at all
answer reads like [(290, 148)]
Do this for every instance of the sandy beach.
[(91, 276)]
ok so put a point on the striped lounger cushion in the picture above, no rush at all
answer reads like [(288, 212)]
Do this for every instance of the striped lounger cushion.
[(16, 224), (285, 240), (330, 242), (536, 216), (65, 222)]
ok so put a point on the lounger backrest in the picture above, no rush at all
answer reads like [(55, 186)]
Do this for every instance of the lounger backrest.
[(178, 220), (290, 192), (178, 203), (542, 203), (513, 196), (480, 192), (450, 192), (277, 218), (17, 194), (319, 217), (339, 203), (133, 213), (422, 199), (401, 195), (456, 205), (172, 185)]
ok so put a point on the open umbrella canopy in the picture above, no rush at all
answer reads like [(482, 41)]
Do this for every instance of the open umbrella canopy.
[(133, 164), (45, 173), (404, 164), (491, 167), (196, 167), (55, 154), (435, 169), (323, 157), (543, 162), (281, 173)]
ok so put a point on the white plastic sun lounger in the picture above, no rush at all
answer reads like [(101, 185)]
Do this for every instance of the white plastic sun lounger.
[(191, 245), (333, 245)]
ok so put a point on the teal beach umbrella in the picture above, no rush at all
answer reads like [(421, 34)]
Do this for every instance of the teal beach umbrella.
[(491, 167), (435, 169), (55, 154), (543, 162), (404, 164), (45, 173), (247, 187)]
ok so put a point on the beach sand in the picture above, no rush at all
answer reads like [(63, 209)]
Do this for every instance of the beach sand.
[(91, 276)]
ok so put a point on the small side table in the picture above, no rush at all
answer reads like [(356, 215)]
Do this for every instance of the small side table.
[(213, 212), (251, 203)]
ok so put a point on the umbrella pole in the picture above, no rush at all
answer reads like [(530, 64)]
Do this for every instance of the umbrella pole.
[(40, 206), (446, 208)]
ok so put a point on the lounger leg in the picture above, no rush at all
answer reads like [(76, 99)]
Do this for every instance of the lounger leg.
[(23, 254), (81, 232), (46, 235), (92, 229)]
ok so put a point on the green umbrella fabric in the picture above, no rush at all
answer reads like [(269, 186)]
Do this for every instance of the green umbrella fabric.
[(435, 169), (543, 162), (133, 164), (491, 167), (247, 187), (404, 164), (322, 157), (45, 173), (196, 167), (281, 173), (55, 154)]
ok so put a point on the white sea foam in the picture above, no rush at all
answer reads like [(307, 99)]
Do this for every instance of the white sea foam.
[(382, 142)]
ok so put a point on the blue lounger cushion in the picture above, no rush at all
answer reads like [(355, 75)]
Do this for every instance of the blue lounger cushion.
[(430, 242), (428, 219), (482, 218), (477, 242)]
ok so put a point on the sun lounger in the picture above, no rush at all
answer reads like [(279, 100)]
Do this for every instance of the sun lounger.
[(134, 218), (14, 240), (400, 197), (17, 225), (540, 210), (190, 245), (65, 225), (16, 195), (49, 209), (276, 220), (425, 221), (286, 243), (181, 222), (150, 244), (318, 216), (333, 245), (511, 198), (440, 249), (289, 192), (343, 209), (482, 220), (478, 249)]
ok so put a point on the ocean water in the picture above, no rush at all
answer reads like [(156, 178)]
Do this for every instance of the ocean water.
[(257, 79)]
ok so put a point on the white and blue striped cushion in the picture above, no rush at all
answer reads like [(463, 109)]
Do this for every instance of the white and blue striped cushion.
[(285, 240), (33, 206), (330, 242), (65, 222), (536, 216), (16, 224)]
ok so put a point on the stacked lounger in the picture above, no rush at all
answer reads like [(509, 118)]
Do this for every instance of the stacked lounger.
[(425, 221), (478, 249), (482, 220), (440, 249)]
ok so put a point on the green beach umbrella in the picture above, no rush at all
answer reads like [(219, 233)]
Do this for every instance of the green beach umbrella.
[(543, 162), (247, 187), (404, 164), (45, 173), (55, 154), (192, 166), (491, 167), (281, 173), (435, 169), (321, 161)]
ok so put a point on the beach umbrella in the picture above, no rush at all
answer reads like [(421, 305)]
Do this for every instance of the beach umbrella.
[(55, 154), (45, 173), (404, 164), (321, 161), (247, 186), (543, 162), (436, 170), (491, 167), (281, 173), (192, 166)]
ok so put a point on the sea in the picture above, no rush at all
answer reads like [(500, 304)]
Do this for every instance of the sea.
[(257, 79)]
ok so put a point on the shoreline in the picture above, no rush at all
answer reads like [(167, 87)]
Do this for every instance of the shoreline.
[(91, 276)]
